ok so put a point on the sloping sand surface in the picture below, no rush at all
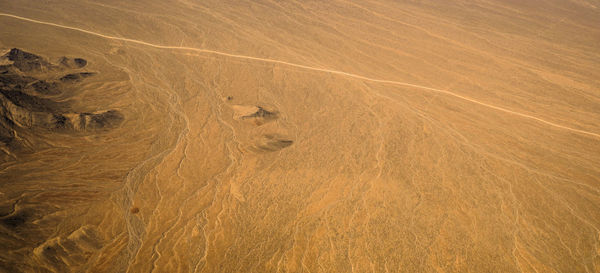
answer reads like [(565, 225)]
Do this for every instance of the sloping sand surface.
[(311, 136)]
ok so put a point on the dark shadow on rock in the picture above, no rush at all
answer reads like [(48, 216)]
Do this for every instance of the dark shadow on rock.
[(14, 221), (106, 120), (31, 103), (75, 77), (262, 113), (272, 143), (45, 88)]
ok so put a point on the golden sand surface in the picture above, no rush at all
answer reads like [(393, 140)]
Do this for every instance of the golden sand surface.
[(300, 136)]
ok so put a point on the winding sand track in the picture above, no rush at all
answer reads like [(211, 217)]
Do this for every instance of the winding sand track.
[(309, 68)]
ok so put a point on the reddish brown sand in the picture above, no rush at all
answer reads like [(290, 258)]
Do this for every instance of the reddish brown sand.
[(301, 136)]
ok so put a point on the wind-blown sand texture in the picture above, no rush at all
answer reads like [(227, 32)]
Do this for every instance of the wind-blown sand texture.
[(308, 136)]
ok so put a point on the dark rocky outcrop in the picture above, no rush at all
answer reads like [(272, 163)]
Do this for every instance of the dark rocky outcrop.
[(261, 113), (272, 143), (72, 62), (256, 114), (75, 77), (26, 103), (28, 62), (104, 120), (13, 221), (43, 87), (30, 103)]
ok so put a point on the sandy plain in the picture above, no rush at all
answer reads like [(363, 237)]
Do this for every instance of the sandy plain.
[(304, 136)]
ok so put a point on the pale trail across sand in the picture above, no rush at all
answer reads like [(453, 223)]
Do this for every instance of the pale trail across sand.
[(309, 68)]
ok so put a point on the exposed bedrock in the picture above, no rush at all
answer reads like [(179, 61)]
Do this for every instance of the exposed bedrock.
[(26, 102)]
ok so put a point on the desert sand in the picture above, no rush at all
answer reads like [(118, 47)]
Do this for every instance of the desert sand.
[(300, 136)]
